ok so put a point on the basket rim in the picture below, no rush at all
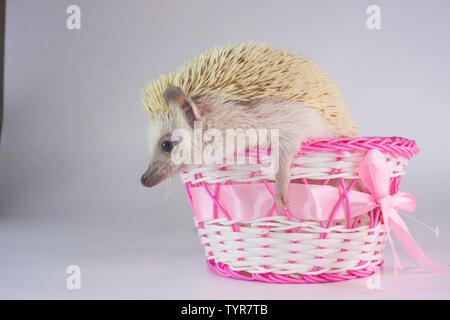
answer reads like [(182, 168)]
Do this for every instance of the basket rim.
[(332, 150), (397, 146)]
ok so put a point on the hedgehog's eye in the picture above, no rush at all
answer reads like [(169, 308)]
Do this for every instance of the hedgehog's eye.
[(167, 146)]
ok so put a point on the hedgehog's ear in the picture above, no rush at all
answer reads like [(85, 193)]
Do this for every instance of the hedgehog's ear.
[(176, 96)]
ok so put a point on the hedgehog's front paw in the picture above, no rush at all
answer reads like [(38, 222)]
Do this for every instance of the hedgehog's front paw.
[(281, 196)]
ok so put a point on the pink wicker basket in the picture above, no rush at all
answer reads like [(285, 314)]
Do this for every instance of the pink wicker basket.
[(278, 247)]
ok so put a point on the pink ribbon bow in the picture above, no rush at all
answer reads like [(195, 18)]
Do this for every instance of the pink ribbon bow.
[(375, 174)]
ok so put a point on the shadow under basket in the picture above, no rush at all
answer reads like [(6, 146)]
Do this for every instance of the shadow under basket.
[(246, 237)]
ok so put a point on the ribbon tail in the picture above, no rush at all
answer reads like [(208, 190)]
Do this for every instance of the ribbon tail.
[(394, 279), (387, 219), (401, 231), (397, 264)]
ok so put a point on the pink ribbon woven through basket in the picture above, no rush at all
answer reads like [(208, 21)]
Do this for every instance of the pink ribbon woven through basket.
[(330, 232)]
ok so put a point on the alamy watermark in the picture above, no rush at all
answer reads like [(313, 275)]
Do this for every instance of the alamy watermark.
[(73, 281), (234, 146), (73, 21), (373, 282), (374, 19)]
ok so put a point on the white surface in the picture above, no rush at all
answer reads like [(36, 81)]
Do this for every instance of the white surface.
[(133, 257)]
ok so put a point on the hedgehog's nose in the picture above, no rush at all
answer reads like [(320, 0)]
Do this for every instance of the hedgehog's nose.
[(146, 180), (143, 179)]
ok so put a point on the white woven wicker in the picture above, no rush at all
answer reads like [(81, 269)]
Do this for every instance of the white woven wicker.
[(315, 166), (265, 242)]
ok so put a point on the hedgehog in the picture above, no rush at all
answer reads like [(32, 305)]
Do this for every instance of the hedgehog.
[(251, 85)]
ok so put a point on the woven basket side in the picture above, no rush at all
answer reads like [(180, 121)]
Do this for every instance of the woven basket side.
[(266, 246), (281, 248)]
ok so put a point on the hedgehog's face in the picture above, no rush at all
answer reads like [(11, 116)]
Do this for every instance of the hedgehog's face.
[(166, 133)]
